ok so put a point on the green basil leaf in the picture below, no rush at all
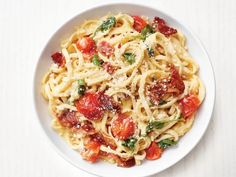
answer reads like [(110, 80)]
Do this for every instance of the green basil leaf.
[(146, 31), (96, 60), (130, 57), (166, 143), (81, 82), (106, 25), (130, 143), (154, 125)]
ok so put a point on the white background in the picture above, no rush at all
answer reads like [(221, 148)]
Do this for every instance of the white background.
[(25, 27)]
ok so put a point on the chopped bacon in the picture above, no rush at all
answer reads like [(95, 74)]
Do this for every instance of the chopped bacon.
[(93, 105), (160, 25), (171, 85), (108, 67), (122, 162), (105, 48), (68, 118), (105, 140), (59, 59), (107, 103), (87, 127), (119, 45)]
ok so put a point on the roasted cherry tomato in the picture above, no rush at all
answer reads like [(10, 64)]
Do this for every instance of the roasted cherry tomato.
[(123, 126), (86, 45), (91, 151), (89, 106), (105, 48), (153, 152), (189, 104), (139, 23)]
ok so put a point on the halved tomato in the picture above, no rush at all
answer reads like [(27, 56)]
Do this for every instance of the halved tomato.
[(89, 106), (91, 151), (123, 126), (86, 45), (153, 152), (189, 104), (139, 23)]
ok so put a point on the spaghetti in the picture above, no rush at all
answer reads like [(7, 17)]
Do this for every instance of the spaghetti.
[(122, 89)]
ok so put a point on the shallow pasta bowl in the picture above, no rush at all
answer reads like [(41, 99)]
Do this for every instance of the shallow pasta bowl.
[(172, 155)]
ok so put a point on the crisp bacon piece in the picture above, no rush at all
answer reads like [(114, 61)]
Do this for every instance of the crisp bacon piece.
[(93, 105), (59, 59), (68, 119), (108, 67), (105, 140), (107, 103), (188, 105), (123, 126), (105, 48), (122, 162), (160, 25), (171, 85), (88, 127), (176, 82)]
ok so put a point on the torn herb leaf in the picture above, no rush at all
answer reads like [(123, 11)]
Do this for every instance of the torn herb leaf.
[(166, 143), (81, 82), (154, 125), (147, 31), (106, 25), (130, 143), (130, 57), (96, 60)]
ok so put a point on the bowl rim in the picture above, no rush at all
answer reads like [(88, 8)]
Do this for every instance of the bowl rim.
[(100, 5)]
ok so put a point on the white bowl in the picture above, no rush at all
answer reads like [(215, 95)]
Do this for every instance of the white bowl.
[(172, 155)]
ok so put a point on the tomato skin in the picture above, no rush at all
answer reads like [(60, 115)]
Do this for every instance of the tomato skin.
[(89, 106), (93, 105), (105, 48), (86, 45), (139, 23), (91, 151), (153, 152), (188, 105), (58, 58), (123, 126)]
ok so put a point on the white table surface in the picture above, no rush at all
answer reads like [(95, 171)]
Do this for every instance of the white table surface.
[(25, 27)]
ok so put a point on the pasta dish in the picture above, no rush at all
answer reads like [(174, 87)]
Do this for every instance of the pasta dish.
[(123, 89)]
